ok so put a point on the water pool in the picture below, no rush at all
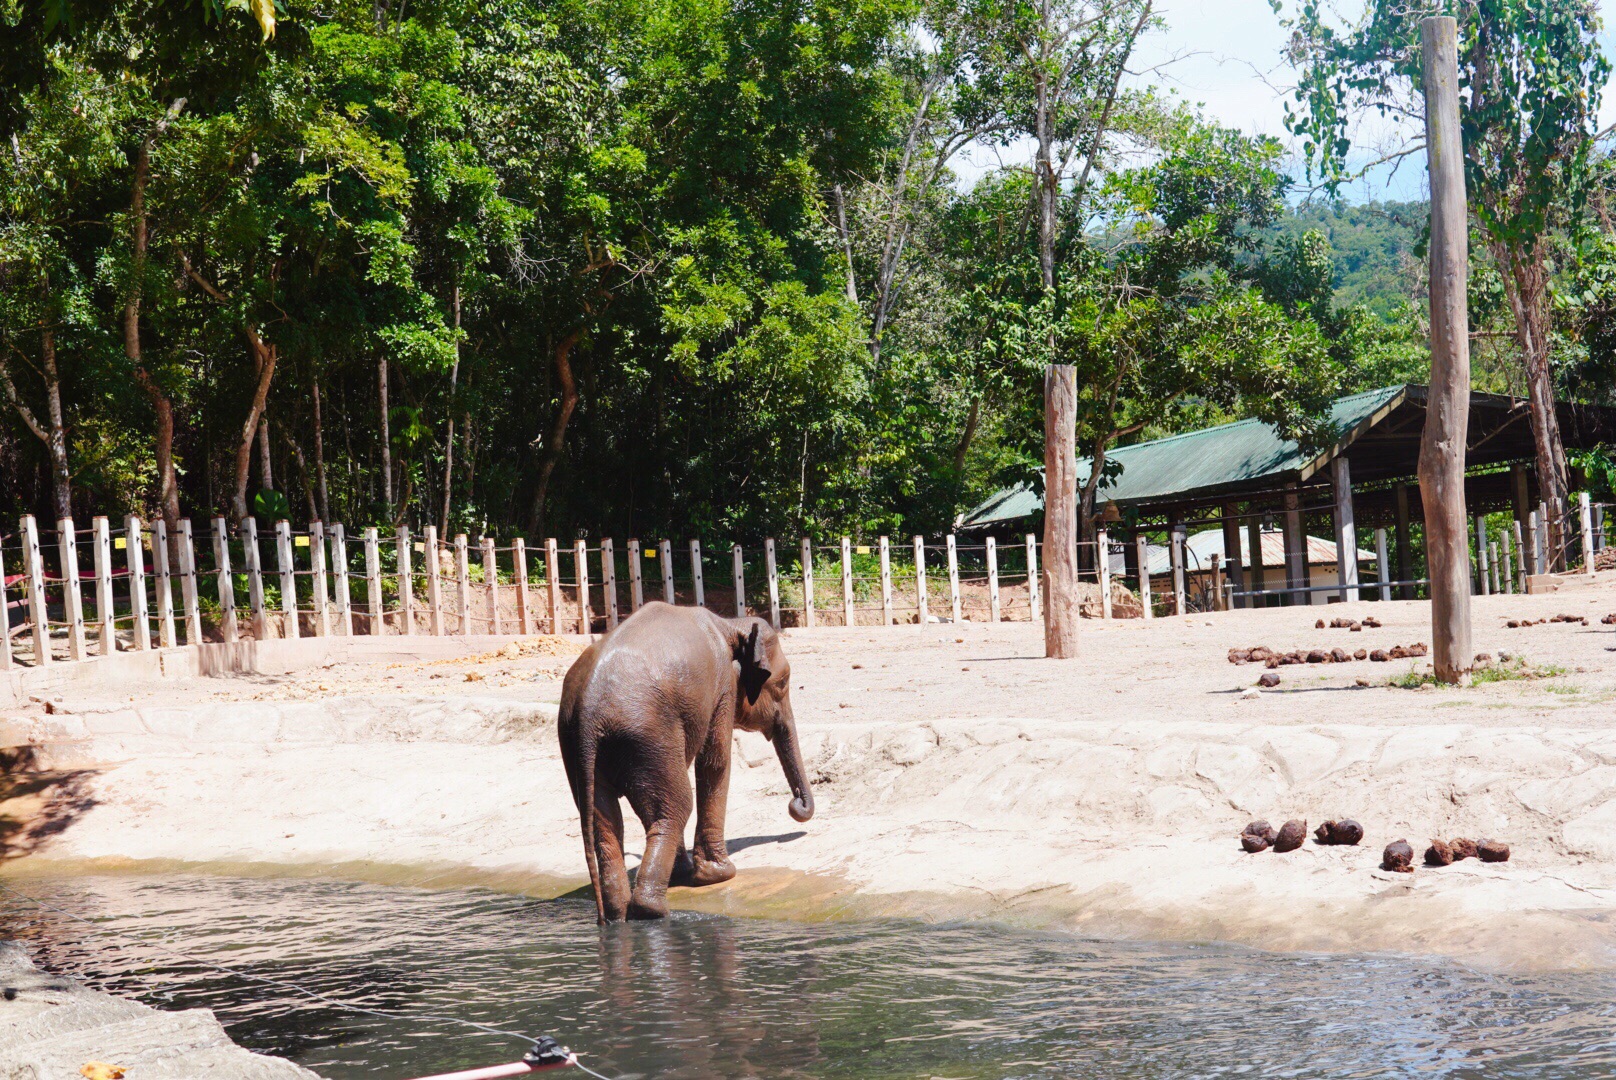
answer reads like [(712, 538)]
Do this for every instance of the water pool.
[(709, 996)]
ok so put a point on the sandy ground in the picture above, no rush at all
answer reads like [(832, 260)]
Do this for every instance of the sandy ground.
[(957, 773)]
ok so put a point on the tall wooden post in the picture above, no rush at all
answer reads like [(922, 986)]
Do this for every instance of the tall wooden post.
[(1346, 530), (773, 573), (1447, 414), (552, 582), (373, 581), (1034, 601), (739, 568), (1587, 515), (608, 580), (283, 560), (317, 574), (1060, 512), (33, 563), (67, 549), (406, 582), (166, 636), (106, 625), (848, 618), (5, 618), (1144, 575), (339, 564), (807, 582), (993, 579), (886, 581), (1231, 552), (1382, 565), (434, 587), (1254, 561), (226, 580), (953, 578), (1481, 555), (697, 582), (524, 613), (193, 611), (636, 583), (1175, 555), (1102, 550), (666, 550), (135, 555), (920, 580)]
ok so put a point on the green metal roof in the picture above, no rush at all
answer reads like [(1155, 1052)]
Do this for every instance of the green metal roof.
[(1203, 463)]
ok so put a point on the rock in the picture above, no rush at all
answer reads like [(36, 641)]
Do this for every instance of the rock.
[(1318, 656), (1379, 656), (1372, 622), (1340, 624), (1361, 681), (1484, 658), (1462, 849), (1397, 652), (1609, 620), (1398, 857), (1239, 656), (1290, 658), (1291, 835), (1262, 652), (1356, 628), (1340, 656), (1271, 662), (1318, 625), (1438, 854), (1513, 624), (1419, 648), (1268, 679), (1493, 851), (1361, 654)]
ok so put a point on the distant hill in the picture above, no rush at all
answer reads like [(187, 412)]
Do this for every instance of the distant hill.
[(1373, 244)]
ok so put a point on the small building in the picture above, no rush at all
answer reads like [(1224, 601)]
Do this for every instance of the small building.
[(1204, 550), (1362, 491)]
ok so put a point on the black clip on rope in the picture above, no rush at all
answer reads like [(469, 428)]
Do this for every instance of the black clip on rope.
[(546, 1052)]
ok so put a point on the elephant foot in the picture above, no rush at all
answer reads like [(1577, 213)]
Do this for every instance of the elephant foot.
[(711, 871), (647, 909)]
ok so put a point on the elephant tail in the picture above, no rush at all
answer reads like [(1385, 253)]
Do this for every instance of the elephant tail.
[(586, 811)]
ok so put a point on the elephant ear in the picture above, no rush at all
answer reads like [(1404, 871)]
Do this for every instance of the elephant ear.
[(753, 656)]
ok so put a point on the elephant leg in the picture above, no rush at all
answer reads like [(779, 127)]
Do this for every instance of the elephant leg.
[(710, 862), (664, 814), (613, 885)]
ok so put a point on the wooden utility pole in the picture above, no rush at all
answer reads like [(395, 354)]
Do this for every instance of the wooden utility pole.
[(1447, 415), (1060, 512)]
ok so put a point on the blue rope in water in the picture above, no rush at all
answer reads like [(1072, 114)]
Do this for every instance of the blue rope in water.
[(282, 984)]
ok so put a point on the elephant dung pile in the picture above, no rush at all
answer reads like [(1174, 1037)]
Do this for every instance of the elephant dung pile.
[(1516, 624), (1262, 654)]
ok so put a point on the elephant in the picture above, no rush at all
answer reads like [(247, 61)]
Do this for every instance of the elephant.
[(664, 690)]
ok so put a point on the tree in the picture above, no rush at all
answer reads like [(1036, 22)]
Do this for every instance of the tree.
[(1530, 75)]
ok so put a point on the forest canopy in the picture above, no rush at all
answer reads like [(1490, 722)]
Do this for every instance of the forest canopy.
[(652, 267)]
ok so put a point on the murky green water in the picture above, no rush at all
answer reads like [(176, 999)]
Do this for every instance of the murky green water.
[(705, 996)]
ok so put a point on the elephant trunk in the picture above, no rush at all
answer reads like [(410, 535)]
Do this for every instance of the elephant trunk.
[(790, 752)]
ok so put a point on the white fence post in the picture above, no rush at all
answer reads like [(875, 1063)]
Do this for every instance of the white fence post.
[(1483, 586), (1382, 564), (1102, 559), (5, 617), (134, 550), (1497, 577), (67, 547), (636, 578), (1545, 557), (665, 548), (552, 581), (807, 582), (886, 582), (608, 579), (580, 554), (106, 638), (463, 584), (1144, 575), (227, 581), (524, 609), (434, 582), (740, 581), (322, 601), (1506, 563), (1034, 598), (406, 581), (339, 559), (993, 579), (953, 578), (373, 581), (848, 617), (1521, 555), (283, 560), (255, 577), (193, 613), (696, 575), (34, 567), (1586, 511), (920, 580), (167, 638), (491, 582), (774, 582), (1175, 541)]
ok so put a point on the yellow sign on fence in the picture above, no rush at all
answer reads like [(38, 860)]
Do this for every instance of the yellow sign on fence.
[(300, 541), (862, 549), (650, 553), (119, 543)]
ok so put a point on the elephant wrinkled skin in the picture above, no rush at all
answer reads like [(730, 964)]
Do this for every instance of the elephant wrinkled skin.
[(667, 689)]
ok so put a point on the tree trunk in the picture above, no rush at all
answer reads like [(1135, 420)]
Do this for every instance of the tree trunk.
[(448, 442), (168, 493), (1048, 185), (319, 454), (266, 467), (555, 441), (847, 243), (265, 355), (61, 478), (1526, 289), (387, 439), (1060, 512), (963, 446)]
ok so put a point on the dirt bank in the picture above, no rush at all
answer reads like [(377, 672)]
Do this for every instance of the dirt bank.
[(957, 775)]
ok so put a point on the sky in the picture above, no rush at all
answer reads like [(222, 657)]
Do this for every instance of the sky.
[(1226, 55)]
